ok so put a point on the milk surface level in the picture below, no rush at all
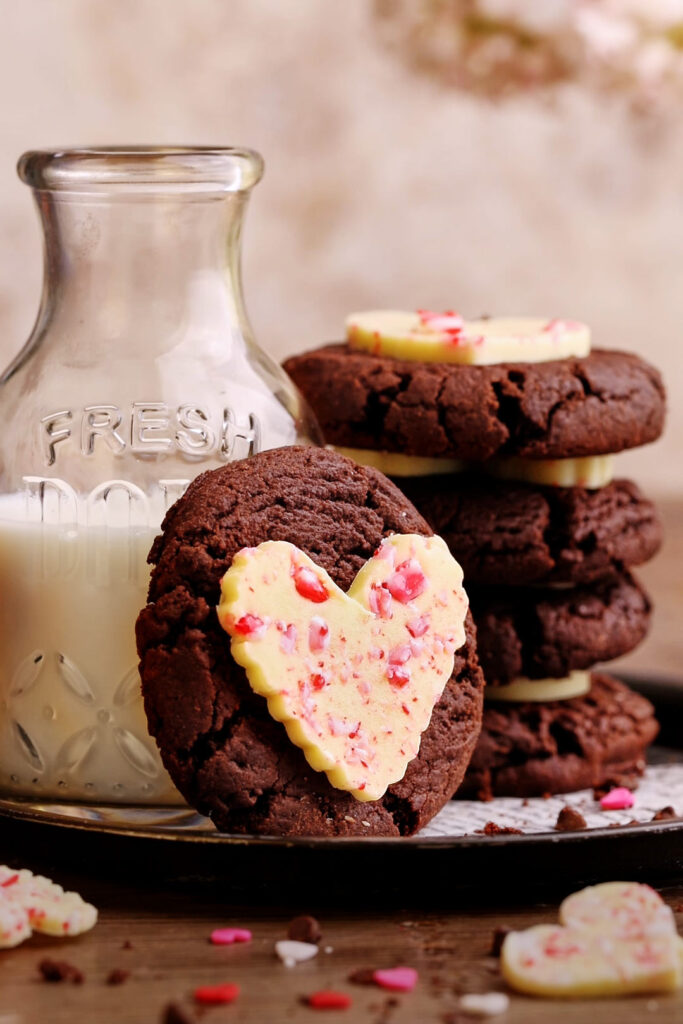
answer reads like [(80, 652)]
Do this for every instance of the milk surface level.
[(72, 724)]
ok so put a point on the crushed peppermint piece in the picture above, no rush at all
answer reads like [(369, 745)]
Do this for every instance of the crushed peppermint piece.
[(407, 582), (396, 979), (618, 799), (484, 1004), (327, 999), (216, 995), (228, 936), (293, 951), (309, 585)]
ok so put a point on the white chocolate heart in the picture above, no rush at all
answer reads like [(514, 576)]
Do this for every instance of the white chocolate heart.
[(49, 908), (425, 336), (353, 677), (617, 938)]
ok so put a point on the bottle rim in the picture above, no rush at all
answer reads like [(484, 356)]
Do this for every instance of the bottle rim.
[(142, 168)]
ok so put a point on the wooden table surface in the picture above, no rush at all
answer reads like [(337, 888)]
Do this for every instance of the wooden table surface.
[(159, 932)]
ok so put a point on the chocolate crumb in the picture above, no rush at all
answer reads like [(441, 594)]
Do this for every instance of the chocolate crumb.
[(665, 813), (177, 1014), (492, 829), (117, 976), (60, 970), (498, 938), (305, 929), (569, 820), (127, 944), (362, 976)]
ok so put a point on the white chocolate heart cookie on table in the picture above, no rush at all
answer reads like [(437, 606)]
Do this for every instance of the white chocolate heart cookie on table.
[(617, 938), (345, 696), (31, 903)]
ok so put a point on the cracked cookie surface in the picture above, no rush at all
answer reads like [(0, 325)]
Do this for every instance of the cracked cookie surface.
[(225, 753), (503, 532), (541, 633), (604, 402), (555, 747)]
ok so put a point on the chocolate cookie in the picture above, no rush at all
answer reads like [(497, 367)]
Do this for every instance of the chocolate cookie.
[(225, 753), (604, 402), (537, 632), (505, 532), (530, 749)]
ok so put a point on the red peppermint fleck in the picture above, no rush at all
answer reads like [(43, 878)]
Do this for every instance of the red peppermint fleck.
[(318, 634), (400, 655), (249, 625), (215, 995), (309, 585), (227, 936), (407, 582), (10, 881), (398, 675), (380, 601), (318, 680), (327, 999), (418, 627)]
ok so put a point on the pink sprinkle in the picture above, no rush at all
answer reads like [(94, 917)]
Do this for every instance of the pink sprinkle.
[(250, 626), (408, 582), (227, 936), (397, 979), (288, 641), (618, 799), (418, 627), (309, 585), (318, 634), (380, 601)]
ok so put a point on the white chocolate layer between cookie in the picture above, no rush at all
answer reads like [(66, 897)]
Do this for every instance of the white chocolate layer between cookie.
[(592, 471), (576, 684), (425, 336), (354, 677)]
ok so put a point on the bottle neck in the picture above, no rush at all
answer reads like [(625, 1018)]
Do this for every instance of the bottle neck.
[(146, 273)]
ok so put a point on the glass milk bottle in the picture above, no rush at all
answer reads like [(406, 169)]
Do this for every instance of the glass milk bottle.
[(140, 373)]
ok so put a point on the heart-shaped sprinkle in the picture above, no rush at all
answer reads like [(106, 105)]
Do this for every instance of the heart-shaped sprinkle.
[(618, 799), (615, 939), (397, 979), (228, 936), (354, 677)]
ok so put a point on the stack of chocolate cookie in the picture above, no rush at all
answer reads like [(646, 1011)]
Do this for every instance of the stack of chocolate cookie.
[(502, 435)]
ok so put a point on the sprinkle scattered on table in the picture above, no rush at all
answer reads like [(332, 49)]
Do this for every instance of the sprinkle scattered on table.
[(228, 936), (216, 995)]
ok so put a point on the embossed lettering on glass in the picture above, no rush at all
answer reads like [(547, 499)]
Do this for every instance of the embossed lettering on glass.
[(141, 372)]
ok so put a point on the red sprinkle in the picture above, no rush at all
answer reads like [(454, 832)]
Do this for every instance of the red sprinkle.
[(215, 995), (309, 585), (226, 936), (249, 625), (326, 999), (618, 799)]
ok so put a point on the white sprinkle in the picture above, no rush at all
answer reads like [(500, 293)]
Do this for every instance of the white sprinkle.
[(366, 823), (292, 952), (348, 818), (329, 949), (484, 1004)]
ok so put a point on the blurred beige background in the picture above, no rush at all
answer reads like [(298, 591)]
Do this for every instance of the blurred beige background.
[(381, 189)]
